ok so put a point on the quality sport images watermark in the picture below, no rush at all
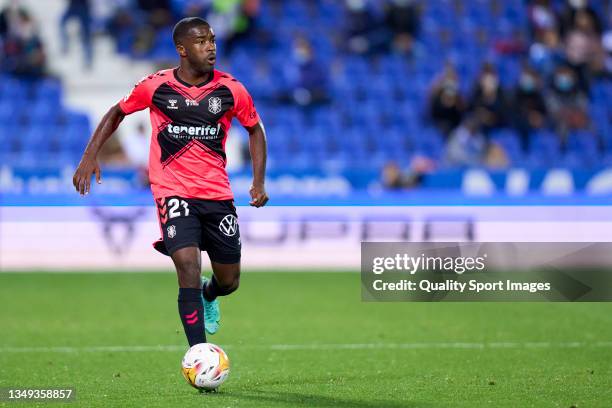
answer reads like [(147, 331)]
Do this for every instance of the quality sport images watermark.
[(451, 271)]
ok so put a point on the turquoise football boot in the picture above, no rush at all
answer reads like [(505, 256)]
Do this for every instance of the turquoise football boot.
[(212, 314)]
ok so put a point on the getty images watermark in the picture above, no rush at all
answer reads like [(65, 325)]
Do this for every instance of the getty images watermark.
[(450, 271)]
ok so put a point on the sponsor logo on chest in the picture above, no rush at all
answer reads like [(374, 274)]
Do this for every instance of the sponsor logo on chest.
[(196, 131)]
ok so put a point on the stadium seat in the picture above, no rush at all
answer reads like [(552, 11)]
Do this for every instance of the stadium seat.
[(582, 149), (544, 149)]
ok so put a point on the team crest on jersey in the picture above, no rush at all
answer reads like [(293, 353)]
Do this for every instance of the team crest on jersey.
[(172, 103), (229, 225), (214, 105), (171, 231)]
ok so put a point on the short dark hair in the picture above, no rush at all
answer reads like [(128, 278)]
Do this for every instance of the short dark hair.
[(182, 27)]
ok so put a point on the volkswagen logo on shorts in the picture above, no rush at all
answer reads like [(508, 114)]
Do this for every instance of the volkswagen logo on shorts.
[(229, 225)]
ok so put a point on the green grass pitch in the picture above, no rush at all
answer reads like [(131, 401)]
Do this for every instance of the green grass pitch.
[(299, 340)]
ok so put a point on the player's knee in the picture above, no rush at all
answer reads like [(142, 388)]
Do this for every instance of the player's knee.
[(189, 274), (229, 283)]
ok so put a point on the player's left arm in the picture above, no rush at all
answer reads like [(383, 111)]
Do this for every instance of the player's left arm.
[(258, 150), (245, 112)]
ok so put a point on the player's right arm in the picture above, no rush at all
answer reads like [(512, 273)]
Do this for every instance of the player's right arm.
[(89, 162), (137, 100)]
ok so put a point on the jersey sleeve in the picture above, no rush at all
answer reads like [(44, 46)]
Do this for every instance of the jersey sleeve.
[(138, 99), (244, 108)]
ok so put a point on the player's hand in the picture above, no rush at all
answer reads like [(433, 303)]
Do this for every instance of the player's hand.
[(82, 176), (259, 197)]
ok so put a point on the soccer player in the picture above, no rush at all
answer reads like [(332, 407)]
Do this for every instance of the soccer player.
[(191, 109)]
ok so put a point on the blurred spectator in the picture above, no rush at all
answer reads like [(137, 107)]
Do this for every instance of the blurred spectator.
[(488, 101), (136, 146), (157, 15), (233, 20), (393, 178), (542, 18), (79, 10), (364, 31), (133, 150), (9, 18), (496, 157), (583, 48), (574, 12), (112, 153), (121, 24), (547, 51), (528, 105), (607, 46), (567, 102), (402, 18), (467, 145), (446, 105), (24, 54), (306, 78)]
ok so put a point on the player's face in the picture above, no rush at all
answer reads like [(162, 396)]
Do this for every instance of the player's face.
[(200, 48)]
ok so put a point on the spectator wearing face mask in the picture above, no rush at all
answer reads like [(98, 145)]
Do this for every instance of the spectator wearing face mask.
[(488, 100), (567, 102), (528, 105), (446, 105)]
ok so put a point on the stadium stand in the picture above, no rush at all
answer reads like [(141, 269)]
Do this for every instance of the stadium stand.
[(375, 107)]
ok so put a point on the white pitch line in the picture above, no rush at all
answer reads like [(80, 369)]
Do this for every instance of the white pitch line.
[(323, 347)]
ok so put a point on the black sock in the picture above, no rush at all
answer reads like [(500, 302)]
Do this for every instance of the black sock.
[(211, 289), (191, 309)]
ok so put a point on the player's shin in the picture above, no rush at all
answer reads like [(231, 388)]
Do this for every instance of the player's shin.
[(191, 310)]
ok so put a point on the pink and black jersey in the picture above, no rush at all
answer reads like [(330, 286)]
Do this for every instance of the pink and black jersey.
[(190, 126)]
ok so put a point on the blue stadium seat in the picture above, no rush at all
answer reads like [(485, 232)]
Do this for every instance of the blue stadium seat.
[(49, 91), (14, 90), (429, 143), (582, 149), (544, 149)]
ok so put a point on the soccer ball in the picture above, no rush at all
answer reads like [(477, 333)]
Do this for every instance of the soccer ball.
[(205, 366)]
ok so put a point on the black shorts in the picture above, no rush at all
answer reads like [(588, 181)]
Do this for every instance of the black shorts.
[(209, 225)]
